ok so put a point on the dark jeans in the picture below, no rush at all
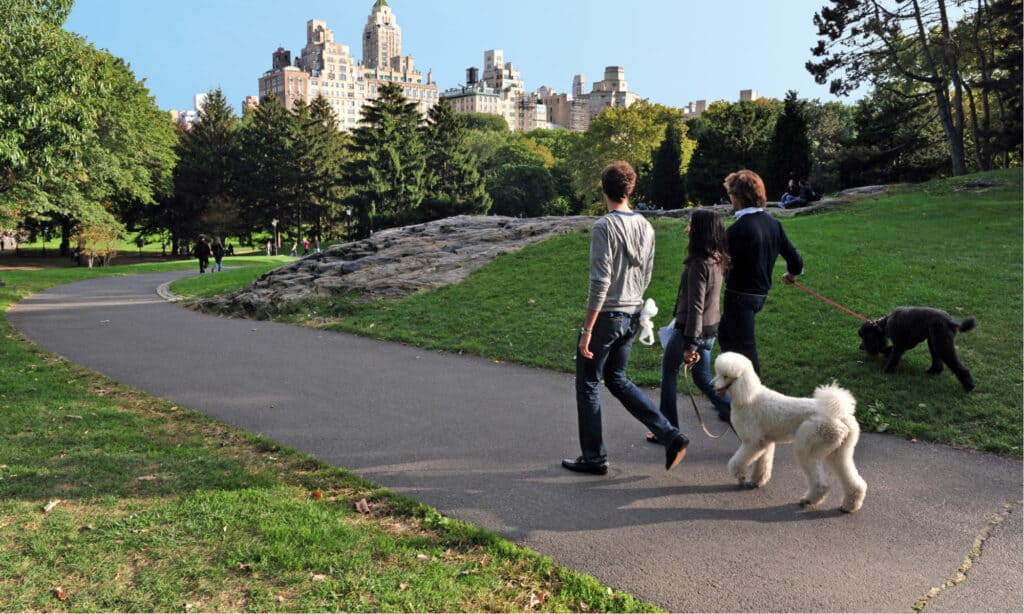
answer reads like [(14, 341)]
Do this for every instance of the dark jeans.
[(611, 342), (672, 362), (736, 330)]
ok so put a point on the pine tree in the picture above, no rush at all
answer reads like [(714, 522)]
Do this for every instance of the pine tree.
[(388, 169), (454, 183), (322, 163), (268, 169), (207, 168), (789, 154), (667, 189)]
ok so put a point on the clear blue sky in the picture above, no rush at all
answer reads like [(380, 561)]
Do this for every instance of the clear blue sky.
[(674, 51)]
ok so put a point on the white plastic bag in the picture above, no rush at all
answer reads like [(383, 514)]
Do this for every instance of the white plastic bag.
[(665, 333), (646, 334)]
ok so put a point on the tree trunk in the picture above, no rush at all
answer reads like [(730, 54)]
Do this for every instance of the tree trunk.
[(951, 125)]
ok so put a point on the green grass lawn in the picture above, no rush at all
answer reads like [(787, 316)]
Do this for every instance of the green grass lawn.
[(112, 500), (930, 244)]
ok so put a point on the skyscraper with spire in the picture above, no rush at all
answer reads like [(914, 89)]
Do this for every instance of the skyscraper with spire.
[(382, 38)]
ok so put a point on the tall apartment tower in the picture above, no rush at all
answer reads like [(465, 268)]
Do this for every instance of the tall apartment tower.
[(382, 38)]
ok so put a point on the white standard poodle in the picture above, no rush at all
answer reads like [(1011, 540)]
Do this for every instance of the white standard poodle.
[(822, 428)]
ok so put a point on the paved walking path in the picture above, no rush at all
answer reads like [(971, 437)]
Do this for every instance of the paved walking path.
[(481, 441)]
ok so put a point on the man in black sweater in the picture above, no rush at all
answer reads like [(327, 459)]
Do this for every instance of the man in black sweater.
[(756, 240)]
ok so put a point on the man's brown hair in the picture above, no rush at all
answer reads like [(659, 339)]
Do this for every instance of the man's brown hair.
[(618, 180), (748, 187)]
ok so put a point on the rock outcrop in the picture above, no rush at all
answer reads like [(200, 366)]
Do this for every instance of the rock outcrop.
[(397, 262)]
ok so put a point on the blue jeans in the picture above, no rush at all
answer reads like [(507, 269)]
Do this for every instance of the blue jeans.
[(611, 342), (217, 266), (736, 330), (672, 362)]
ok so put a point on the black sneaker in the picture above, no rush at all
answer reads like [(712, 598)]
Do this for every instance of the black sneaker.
[(675, 451), (584, 466)]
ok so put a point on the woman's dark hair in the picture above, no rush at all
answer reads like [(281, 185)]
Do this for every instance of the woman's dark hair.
[(707, 239)]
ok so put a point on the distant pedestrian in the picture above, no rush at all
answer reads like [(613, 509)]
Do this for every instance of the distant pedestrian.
[(218, 255), (621, 263), (268, 247), (316, 245), (231, 249), (203, 253), (295, 249), (305, 247)]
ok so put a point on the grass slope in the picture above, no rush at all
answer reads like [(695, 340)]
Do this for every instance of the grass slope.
[(933, 244)]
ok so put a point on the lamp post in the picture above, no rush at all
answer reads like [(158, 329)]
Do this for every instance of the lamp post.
[(273, 223)]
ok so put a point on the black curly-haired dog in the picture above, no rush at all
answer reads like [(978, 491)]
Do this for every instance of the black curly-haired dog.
[(908, 326)]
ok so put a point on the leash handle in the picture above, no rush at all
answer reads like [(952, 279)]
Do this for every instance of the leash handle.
[(827, 300), (700, 418)]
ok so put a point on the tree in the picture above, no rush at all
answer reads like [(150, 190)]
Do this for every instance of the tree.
[(896, 140), (869, 41), (42, 125), (789, 151), (487, 122), (453, 179), (388, 169), (621, 133), (830, 128), (521, 190), (991, 43), (207, 171), (730, 136), (667, 189), (321, 151), (80, 137)]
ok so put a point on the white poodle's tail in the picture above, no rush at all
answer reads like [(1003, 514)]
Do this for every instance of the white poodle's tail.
[(835, 400)]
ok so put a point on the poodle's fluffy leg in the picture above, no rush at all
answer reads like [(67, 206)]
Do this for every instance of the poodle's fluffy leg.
[(854, 486), (813, 442), (741, 460), (762, 471)]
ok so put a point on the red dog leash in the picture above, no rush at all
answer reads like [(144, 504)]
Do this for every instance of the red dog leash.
[(827, 300)]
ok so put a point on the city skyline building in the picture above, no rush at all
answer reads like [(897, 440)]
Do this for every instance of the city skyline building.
[(328, 68)]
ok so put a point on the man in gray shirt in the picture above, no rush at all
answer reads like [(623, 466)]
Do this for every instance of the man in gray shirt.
[(621, 261)]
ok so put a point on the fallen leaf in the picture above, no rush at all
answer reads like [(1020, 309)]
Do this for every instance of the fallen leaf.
[(316, 495), (318, 577), (146, 478), (52, 504), (403, 587), (536, 599), (72, 417), (362, 506), (422, 557), (484, 561), (60, 594)]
